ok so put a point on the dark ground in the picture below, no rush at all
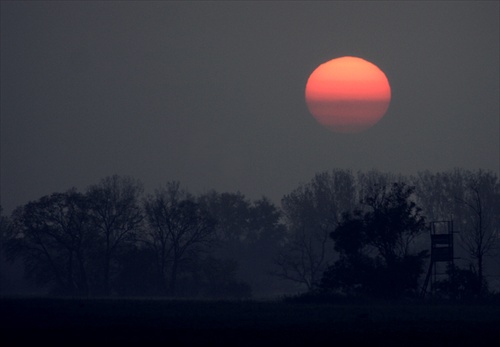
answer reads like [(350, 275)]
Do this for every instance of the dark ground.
[(141, 322)]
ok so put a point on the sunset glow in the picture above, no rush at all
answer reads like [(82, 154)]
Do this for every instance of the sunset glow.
[(348, 94)]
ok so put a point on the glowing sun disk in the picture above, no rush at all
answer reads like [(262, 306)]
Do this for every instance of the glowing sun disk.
[(348, 94)]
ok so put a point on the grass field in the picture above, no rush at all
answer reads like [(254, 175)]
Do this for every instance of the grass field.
[(140, 322)]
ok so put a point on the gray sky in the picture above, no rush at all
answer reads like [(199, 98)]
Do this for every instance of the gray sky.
[(212, 93)]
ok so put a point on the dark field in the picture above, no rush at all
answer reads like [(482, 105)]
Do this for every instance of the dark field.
[(90, 322)]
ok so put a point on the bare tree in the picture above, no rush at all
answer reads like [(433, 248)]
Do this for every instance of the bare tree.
[(178, 228), (303, 260), (437, 194), (312, 212), (472, 201), (232, 211), (55, 240), (482, 198), (368, 183), (116, 216)]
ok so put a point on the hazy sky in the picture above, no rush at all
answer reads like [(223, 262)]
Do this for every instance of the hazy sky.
[(212, 93)]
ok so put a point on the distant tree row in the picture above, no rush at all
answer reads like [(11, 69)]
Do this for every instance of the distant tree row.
[(362, 234), (112, 241)]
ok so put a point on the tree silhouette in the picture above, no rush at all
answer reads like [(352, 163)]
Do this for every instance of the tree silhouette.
[(5, 227), (460, 284), (232, 211), (482, 199), (375, 246), (312, 212), (54, 237), (472, 201), (116, 216), (97, 244), (249, 233), (179, 228)]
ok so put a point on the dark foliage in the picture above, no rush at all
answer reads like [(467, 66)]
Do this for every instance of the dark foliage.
[(462, 285), (372, 277), (136, 276), (374, 246)]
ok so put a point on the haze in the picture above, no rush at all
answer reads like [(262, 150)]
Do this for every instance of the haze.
[(212, 93)]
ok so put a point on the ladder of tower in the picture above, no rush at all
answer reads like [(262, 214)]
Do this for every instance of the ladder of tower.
[(427, 278)]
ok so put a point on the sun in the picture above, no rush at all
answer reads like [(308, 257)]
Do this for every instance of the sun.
[(348, 94)]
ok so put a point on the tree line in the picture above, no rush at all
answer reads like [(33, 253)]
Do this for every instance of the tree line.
[(352, 234)]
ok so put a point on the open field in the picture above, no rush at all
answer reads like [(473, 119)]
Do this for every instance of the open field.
[(90, 322)]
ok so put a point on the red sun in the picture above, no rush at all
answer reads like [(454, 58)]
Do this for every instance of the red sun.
[(348, 94)]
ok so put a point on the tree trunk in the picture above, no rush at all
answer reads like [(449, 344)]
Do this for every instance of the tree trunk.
[(173, 278), (163, 272), (480, 275), (70, 283), (107, 264), (84, 284)]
